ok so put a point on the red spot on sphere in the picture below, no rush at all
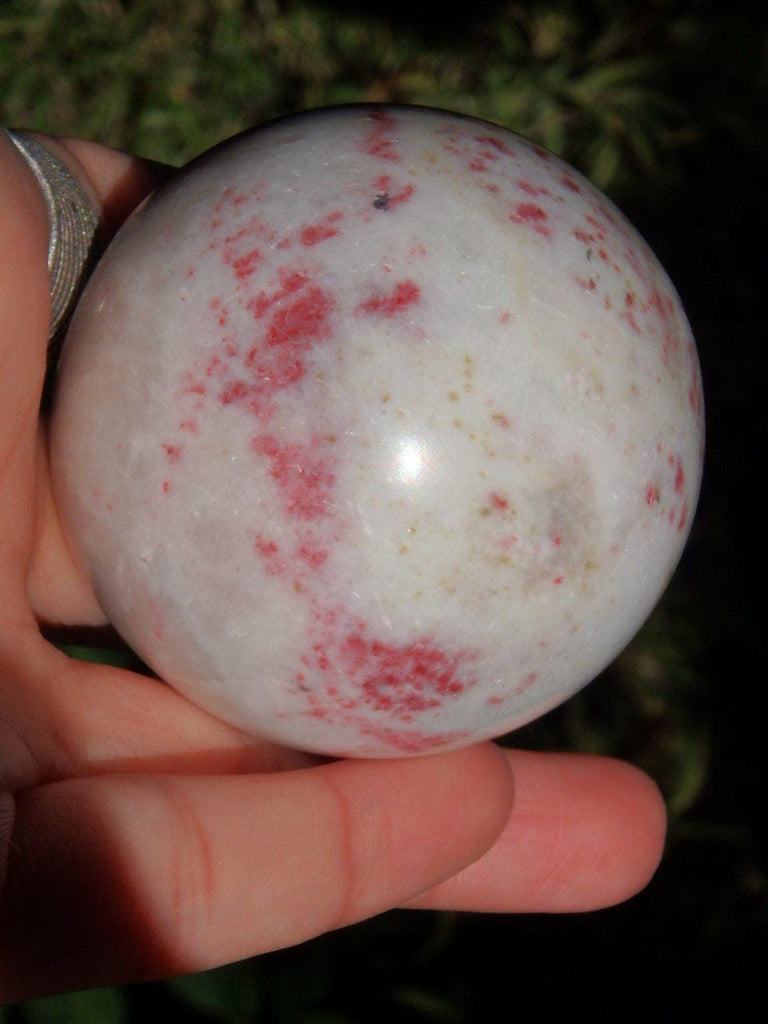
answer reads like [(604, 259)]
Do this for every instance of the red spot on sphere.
[(679, 478), (173, 453), (304, 318), (404, 294), (304, 475), (401, 679), (379, 141), (312, 234), (276, 361), (498, 144), (533, 215), (312, 556), (245, 265)]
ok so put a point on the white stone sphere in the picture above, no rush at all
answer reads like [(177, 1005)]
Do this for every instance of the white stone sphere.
[(379, 431)]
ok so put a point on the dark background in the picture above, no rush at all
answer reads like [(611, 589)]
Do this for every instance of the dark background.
[(663, 104)]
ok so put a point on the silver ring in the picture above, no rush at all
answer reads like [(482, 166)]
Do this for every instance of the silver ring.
[(73, 223)]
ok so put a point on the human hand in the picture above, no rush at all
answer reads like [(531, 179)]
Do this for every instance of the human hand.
[(140, 837)]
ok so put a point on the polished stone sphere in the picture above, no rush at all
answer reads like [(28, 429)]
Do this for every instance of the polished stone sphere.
[(379, 431)]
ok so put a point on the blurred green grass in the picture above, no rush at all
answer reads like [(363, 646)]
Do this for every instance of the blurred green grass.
[(647, 99), (171, 79)]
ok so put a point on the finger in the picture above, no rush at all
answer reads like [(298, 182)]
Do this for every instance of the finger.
[(64, 718), (58, 590), (31, 533), (24, 301), (118, 879), (586, 832)]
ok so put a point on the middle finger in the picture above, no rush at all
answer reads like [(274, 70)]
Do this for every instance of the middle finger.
[(74, 718)]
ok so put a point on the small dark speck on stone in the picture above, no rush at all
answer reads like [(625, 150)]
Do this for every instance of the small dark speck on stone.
[(381, 202)]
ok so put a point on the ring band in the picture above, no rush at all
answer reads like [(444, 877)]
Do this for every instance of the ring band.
[(73, 223)]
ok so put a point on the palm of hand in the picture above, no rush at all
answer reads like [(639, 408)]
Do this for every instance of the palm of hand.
[(149, 838)]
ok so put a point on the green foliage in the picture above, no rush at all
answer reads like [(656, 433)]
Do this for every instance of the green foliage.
[(120, 657), (98, 1006), (229, 994), (169, 80)]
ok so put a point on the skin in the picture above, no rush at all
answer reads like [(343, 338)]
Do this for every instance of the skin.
[(141, 838)]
